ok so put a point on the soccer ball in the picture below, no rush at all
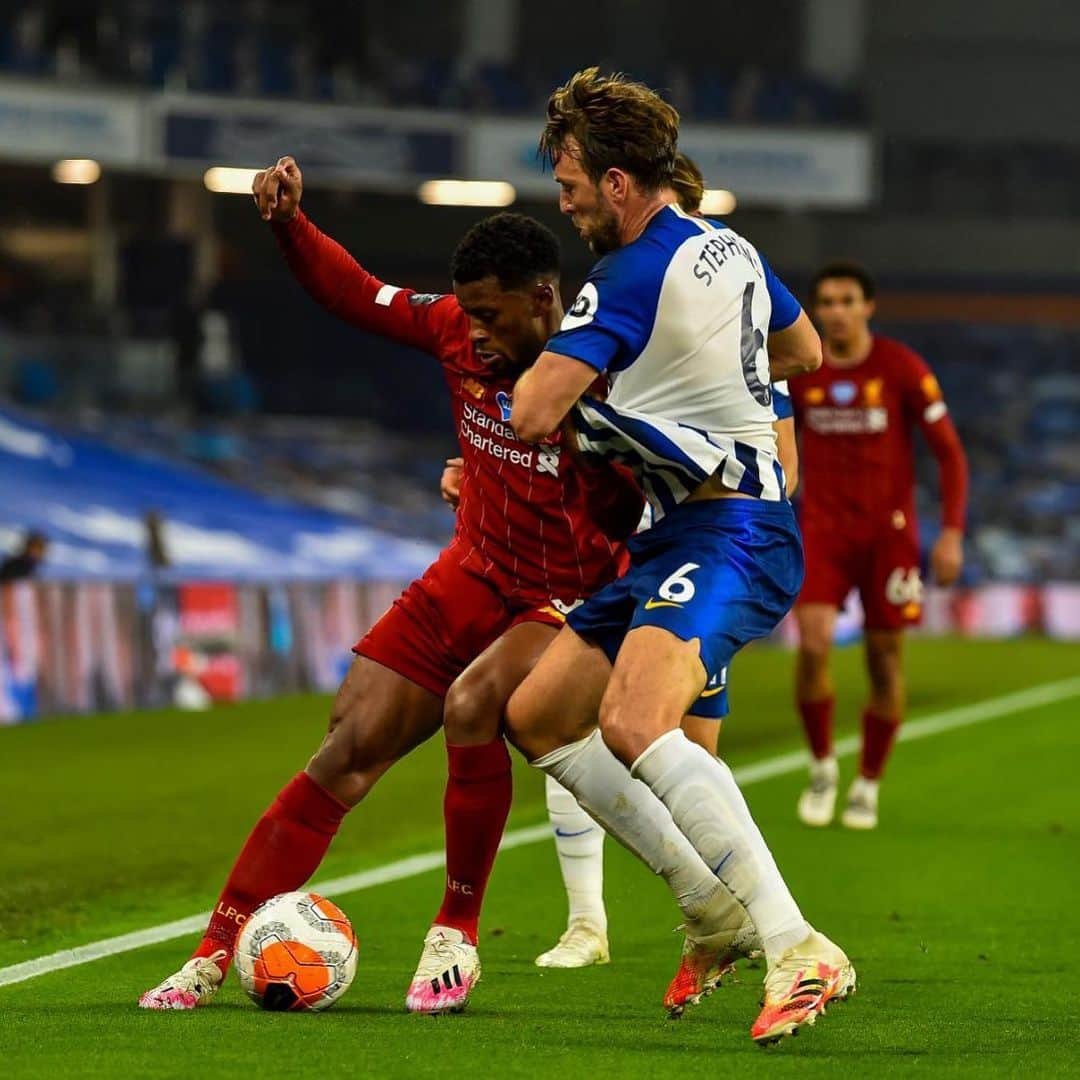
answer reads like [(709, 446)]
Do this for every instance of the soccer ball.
[(297, 951)]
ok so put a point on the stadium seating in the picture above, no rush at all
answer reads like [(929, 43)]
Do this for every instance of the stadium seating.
[(202, 48)]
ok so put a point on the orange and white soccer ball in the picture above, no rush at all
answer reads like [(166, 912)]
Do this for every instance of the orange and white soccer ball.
[(297, 951)]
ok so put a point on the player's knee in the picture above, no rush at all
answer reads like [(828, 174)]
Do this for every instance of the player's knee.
[(814, 652), (350, 759), (622, 732), (524, 726), (885, 671), (473, 710)]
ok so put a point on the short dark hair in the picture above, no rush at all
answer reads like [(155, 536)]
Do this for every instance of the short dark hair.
[(618, 124), (845, 268), (689, 183), (513, 248)]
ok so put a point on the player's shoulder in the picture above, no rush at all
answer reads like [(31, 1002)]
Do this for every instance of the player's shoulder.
[(646, 260), (897, 353)]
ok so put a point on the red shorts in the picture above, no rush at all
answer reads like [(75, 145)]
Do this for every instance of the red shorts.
[(884, 569), (443, 621)]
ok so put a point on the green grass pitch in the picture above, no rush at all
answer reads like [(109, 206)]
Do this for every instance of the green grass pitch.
[(959, 913)]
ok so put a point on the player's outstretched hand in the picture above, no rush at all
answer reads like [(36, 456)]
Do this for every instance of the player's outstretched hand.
[(450, 484), (947, 557), (277, 190)]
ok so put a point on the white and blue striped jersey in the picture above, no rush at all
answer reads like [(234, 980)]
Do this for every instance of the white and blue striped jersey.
[(678, 320)]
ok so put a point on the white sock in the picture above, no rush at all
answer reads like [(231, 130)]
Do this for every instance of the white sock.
[(579, 842), (634, 816), (707, 805)]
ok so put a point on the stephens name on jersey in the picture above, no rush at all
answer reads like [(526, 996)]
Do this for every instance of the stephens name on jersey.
[(678, 319)]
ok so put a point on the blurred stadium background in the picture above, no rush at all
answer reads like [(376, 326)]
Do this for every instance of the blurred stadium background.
[(233, 485)]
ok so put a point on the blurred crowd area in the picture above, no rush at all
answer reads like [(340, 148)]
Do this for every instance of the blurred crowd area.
[(158, 317), (377, 452), (380, 54)]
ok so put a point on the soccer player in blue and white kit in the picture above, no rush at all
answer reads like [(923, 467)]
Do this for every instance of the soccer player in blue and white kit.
[(689, 325)]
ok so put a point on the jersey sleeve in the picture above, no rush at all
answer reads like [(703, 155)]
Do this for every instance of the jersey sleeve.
[(611, 319), (782, 400), (334, 279), (785, 308), (925, 405)]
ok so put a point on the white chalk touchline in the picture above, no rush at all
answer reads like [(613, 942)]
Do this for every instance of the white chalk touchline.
[(399, 870)]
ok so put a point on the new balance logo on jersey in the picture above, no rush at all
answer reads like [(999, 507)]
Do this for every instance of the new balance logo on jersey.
[(547, 460), (565, 609)]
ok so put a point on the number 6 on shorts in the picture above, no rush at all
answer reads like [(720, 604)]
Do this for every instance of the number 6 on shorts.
[(678, 588)]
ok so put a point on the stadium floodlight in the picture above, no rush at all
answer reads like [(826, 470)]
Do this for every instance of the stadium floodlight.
[(229, 181), (467, 193), (717, 201), (76, 171)]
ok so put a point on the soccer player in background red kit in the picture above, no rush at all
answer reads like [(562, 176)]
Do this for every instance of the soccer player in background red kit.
[(856, 415), (525, 549)]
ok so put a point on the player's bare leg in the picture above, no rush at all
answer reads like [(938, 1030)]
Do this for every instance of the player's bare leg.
[(377, 718), (551, 720), (476, 805), (816, 700), (880, 723)]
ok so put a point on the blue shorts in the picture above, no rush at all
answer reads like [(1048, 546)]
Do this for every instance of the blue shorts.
[(725, 571)]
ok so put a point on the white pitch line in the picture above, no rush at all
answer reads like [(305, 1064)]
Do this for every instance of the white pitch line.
[(780, 765)]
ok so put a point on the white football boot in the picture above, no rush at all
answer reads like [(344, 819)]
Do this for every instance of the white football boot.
[(817, 803), (798, 986), (582, 945), (194, 984), (861, 809), (449, 968)]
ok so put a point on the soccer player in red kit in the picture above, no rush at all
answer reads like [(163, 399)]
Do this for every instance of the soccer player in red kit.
[(525, 550), (856, 415)]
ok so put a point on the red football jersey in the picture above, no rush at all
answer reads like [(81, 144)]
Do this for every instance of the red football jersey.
[(856, 457), (523, 519)]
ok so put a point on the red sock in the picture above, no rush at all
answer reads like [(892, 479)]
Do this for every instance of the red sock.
[(878, 736), (817, 722), (476, 806), (282, 852)]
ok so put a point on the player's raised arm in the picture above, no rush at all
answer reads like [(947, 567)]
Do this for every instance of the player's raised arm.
[(331, 276), (924, 398)]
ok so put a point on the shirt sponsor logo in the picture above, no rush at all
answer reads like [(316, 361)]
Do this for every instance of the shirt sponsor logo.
[(826, 420), (502, 399), (844, 392), (497, 438)]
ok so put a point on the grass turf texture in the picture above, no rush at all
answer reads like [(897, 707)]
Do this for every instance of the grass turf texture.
[(955, 912)]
